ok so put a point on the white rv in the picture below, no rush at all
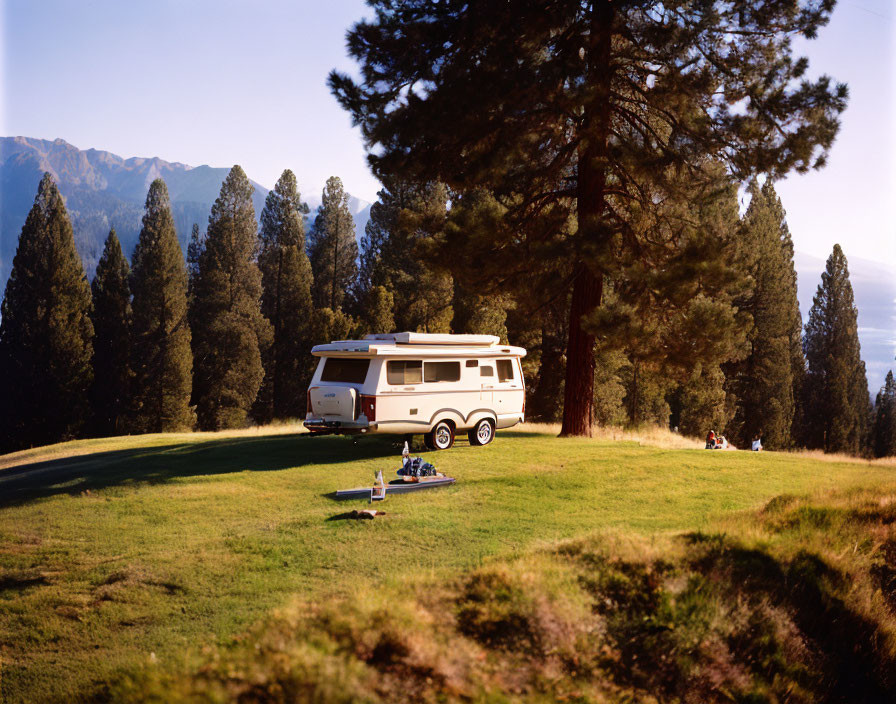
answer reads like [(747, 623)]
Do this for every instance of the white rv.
[(409, 383)]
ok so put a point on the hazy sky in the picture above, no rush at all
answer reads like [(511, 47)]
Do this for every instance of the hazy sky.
[(227, 82)]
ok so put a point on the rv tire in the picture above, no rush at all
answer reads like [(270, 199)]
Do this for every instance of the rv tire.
[(441, 437), (482, 433)]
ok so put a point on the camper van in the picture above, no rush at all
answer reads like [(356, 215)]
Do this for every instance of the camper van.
[(409, 383)]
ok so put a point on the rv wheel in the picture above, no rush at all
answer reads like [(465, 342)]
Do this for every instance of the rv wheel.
[(441, 437), (483, 433)]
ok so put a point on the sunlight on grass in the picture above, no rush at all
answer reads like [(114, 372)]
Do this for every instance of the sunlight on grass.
[(114, 549)]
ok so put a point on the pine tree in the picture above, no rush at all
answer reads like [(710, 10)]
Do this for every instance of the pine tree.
[(194, 253), (45, 331), (672, 307), (379, 310), (609, 388), (837, 408), (570, 112), (403, 221), (883, 434), (230, 331), (480, 314), (111, 393), (701, 402), (764, 383), (332, 248), (328, 325), (285, 302), (544, 398), (162, 361), (797, 357)]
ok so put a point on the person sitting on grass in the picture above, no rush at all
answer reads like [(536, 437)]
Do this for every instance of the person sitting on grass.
[(757, 444), (711, 440)]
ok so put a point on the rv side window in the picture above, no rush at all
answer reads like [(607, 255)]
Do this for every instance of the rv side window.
[(346, 370), (441, 371), (505, 370), (401, 372), (486, 370)]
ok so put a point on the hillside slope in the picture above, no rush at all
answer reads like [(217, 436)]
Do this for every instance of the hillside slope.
[(793, 603), (147, 552)]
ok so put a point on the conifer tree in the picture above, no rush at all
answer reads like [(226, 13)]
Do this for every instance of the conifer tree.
[(646, 388), (545, 392), (764, 383), (332, 247), (609, 388), (480, 314), (403, 222), (45, 331), (883, 434), (194, 252), (379, 310), (230, 331), (328, 325), (570, 112), (837, 408), (285, 302), (162, 361), (672, 306), (111, 393), (701, 402)]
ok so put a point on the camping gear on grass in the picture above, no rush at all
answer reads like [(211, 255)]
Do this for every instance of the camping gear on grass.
[(415, 467), (397, 486), (378, 490), (415, 474)]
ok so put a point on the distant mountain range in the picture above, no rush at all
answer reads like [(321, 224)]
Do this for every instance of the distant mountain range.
[(103, 190)]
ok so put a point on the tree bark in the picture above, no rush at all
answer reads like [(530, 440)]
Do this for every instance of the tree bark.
[(587, 292), (578, 396)]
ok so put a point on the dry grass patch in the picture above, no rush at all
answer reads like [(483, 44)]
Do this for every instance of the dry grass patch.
[(646, 436)]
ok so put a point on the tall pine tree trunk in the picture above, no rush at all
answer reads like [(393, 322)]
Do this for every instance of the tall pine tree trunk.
[(587, 292), (578, 397)]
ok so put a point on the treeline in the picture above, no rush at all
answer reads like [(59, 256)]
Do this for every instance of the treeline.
[(219, 338), (701, 330)]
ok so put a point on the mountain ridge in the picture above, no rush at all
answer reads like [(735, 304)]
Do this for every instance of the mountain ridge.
[(104, 190)]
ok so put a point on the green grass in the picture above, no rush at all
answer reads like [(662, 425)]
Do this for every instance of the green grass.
[(152, 551)]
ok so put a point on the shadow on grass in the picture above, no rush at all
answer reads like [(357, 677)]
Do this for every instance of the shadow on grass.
[(19, 582), (73, 475), (356, 515), (850, 663)]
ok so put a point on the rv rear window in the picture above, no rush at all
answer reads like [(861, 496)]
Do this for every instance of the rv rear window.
[(505, 370), (401, 372), (441, 371), (346, 370)]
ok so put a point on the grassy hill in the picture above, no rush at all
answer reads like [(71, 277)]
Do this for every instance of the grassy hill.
[(216, 566)]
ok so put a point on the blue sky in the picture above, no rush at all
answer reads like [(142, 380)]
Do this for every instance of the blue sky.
[(229, 82), (194, 81)]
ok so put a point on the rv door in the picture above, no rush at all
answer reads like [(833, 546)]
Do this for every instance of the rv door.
[(487, 377)]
